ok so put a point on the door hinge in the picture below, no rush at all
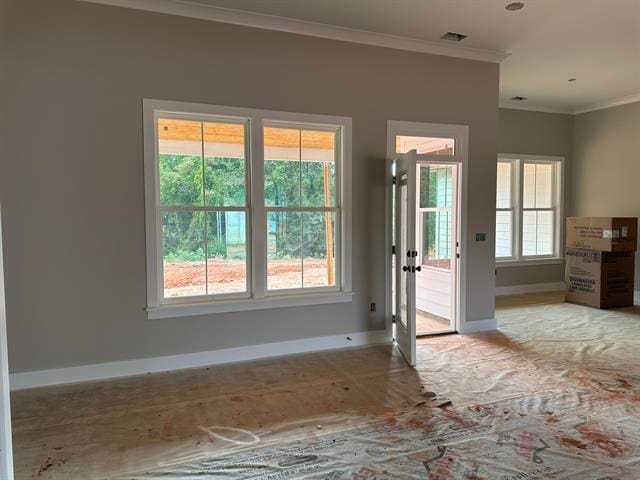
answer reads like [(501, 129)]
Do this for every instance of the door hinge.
[(393, 180), (393, 319), (393, 249)]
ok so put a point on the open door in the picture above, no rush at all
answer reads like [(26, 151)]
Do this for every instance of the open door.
[(406, 254)]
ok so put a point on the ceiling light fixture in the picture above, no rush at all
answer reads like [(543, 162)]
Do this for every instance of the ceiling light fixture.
[(518, 98), (453, 36), (514, 6)]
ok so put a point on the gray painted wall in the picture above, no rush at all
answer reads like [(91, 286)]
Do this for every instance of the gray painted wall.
[(606, 173), (76, 74), (536, 133)]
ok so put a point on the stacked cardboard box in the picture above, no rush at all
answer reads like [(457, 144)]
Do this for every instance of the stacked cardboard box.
[(600, 258)]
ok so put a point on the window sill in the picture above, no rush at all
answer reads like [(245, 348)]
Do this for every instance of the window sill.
[(204, 308), (529, 262)]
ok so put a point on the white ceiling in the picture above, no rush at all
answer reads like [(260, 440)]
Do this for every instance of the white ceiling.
[(547, 42)]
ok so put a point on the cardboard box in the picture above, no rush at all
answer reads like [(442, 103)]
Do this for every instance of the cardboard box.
[(607, 234), (599, 279)]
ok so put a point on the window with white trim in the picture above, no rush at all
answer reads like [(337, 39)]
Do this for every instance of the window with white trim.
[(528, 208), (244, 206), (300, 199)]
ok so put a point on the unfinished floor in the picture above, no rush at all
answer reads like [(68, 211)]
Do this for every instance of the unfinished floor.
[(427, 323), (554, 394)]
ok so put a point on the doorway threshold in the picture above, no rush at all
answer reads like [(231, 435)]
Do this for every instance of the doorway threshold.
[(436, 334)]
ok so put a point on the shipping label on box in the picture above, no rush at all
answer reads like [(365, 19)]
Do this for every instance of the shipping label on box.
[(607, 234)]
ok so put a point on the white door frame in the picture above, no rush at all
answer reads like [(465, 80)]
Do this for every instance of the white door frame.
[(455, 210), (6, 449), (460, 133)]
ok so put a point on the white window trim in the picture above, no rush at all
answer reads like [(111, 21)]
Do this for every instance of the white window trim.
[(518, 259), (258, 297), (514, 209)]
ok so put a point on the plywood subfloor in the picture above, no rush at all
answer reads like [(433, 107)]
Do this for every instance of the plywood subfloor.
[(554, 394)]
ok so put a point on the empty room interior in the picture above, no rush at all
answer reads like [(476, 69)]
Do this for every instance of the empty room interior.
[(329, 240)]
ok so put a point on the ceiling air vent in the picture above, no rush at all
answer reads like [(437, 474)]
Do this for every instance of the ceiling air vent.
[(518, 98), (453, 37), (514, 6)]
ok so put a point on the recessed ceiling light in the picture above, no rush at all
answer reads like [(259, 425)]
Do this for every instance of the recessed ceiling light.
[(571, 80), (514, 6), (518, 98), (453, 36)]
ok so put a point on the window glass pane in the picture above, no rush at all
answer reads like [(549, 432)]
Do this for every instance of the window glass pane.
[(403, 217), (436, 239), (503, 189), (544, 185), (180, 157), (282, 173), (318, 168), (224, 164), (436, 187), (529, 236), (537, 233), (538, 185), (183, 254), (319, 263), (427, 145), (226, 252), (529, 186), (284, 250), (544, 244), (504, 239)]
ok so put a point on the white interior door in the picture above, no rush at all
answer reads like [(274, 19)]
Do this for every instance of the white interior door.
[(406, 254), (6, 452)]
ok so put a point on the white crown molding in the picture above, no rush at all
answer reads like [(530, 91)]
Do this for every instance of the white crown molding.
[(534, 108), (616, 102), (194, 9)]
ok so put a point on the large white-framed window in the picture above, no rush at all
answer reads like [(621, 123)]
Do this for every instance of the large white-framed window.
[(529, 208), (245, 208)]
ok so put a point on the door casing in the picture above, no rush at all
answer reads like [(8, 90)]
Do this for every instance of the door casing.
[(460, 133)]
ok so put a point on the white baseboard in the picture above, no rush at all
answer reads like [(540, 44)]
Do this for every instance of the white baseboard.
[(530, 288), (126, 368), (479, 326)]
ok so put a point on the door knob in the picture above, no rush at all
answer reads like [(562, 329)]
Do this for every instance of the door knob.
[(418, 268), (405, 268)]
